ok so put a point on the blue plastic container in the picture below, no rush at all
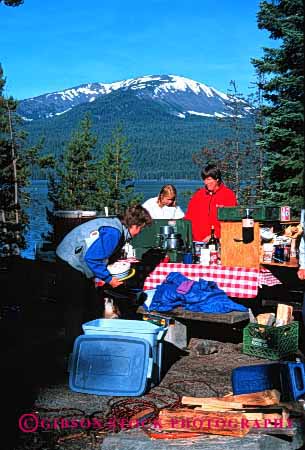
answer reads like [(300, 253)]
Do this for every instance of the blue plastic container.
[(293, 380), (187, 258), (132, 328), (286, 377), (110, 365), (260, 377)]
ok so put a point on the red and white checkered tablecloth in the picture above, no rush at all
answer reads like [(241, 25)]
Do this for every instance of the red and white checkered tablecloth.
[(267, 278), (239, 282)]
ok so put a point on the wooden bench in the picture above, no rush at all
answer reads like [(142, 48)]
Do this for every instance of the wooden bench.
[(180, 313), (186, 322)]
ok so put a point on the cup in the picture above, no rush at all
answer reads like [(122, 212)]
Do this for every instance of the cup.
[(205, 254), (187, 258)]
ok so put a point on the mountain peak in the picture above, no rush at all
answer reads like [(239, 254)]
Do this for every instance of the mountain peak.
[(182, 96)]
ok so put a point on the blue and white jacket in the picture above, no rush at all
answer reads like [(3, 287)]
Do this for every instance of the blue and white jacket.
[(91, 246)]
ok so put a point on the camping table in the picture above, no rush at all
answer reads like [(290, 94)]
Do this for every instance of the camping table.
[(237, 282), (228, 318)]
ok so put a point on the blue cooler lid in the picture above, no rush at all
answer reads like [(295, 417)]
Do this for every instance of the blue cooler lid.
[(110, 365)]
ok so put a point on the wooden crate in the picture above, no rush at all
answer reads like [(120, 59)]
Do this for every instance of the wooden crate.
[(236, 253)]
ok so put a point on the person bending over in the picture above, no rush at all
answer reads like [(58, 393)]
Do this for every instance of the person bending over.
[(83, 256)]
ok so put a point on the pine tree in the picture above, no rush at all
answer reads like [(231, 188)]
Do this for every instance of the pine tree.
[(73, 182), (12, 219), (115, 188), (257, 101), (16, 162), (12, 2), (281, 80)]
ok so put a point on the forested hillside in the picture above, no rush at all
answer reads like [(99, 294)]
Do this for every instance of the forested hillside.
[(162, 144)]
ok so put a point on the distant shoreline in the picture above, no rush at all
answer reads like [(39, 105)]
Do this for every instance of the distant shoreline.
[(179, 180), (38, 190)]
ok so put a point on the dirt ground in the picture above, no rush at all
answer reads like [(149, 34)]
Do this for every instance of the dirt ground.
[(34, 365), (192, 374)]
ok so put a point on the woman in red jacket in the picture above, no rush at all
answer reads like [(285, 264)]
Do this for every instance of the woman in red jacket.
[(203, 205)]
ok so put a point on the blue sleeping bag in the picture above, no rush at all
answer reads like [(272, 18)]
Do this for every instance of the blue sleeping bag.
[(198, 296)]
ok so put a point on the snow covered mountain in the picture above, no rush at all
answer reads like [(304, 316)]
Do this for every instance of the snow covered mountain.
[(179, 96)]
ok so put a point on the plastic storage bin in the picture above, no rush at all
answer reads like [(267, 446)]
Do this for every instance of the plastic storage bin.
[(293, 380), (268, 342), (260, 377), (110, 365), (137, 328), (286, 377)]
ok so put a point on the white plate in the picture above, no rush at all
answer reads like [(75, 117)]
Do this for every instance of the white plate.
[(121, 275), (131, 274)]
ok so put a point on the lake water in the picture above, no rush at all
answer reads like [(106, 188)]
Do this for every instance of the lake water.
[(39, 226)]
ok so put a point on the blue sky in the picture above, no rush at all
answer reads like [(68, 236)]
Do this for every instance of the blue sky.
[(50, 45)]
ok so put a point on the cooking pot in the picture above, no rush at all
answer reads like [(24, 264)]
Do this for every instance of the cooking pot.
[(166, 230), (174, 242)]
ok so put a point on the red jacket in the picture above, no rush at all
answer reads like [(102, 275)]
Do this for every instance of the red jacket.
[(202, 210)]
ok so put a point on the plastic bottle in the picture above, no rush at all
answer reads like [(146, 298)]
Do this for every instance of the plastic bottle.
[(247, 227)]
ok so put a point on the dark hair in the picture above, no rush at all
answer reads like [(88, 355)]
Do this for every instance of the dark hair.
[(136, 215), (211, 171), (166, 191)]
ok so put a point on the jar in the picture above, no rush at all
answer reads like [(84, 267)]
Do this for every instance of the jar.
[(197, 246), (213, 258), (278, 255), (287, 249), (268, 252)]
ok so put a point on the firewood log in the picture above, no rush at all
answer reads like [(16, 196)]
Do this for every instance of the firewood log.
[(284, 314), (212, 401), (225, 423), (263, 398)]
